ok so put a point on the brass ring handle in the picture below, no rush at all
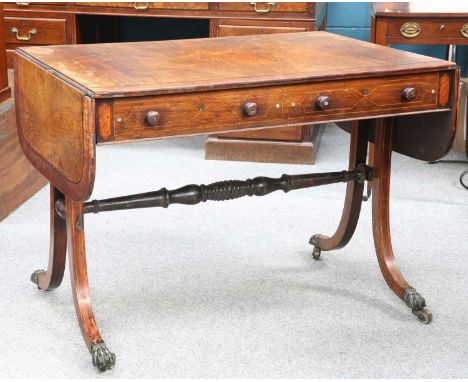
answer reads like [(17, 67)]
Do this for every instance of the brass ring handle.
[(250, 108), (270, 7), (464, 30), (410, 30), (31, 33), (141, 7), (409, 93), (152, 117)]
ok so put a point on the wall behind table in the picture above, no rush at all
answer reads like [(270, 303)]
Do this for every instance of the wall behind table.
[(353, 20)]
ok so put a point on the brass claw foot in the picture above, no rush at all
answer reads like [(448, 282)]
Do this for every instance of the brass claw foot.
[(103, 358), (416, 302), (35, 276), (314, 240)]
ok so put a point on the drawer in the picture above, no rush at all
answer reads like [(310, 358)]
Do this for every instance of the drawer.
[(414, 30), (266, 7), (249, 27), (142, 6), (19, 30), (224, 110), (36, 5)]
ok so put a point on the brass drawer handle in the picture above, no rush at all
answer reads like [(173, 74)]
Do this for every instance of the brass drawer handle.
[(410, 30), (22, 4), (31, 33), (152, 117), (464, 30), (409, 93), (250, 108), (323, 102), (140, 6), (270, 7)]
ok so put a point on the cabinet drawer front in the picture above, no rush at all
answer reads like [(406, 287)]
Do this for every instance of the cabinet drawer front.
[(240, 30), (420, 29), (218, 111), (33, 31), (142, 6), (265, 7)]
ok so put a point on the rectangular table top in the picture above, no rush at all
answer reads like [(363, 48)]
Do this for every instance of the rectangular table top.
[(177, 66), (421, 9)]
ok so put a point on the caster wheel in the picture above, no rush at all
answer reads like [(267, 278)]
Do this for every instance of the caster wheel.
[(35, 276), (424, 315), (316, 253)]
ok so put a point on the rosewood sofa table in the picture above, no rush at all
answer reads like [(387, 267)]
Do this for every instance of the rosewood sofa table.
[(72, 98)]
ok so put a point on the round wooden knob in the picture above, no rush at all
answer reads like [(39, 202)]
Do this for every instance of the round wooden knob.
[(152, 117), (250, 108), (409, 93), (323, 102)]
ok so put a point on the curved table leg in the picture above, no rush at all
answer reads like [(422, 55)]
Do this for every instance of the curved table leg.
[(102, 357), (381, 223), (52, 278), (353, 199)]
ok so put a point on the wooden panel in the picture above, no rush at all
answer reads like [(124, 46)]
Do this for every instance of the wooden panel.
[(260, 151), (141, 6), (265, 7), (35, 31), (289, 133), (177, 66), (57, 137), (281, 105)]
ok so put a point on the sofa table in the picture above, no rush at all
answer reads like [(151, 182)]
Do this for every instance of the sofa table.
[(104, 93)]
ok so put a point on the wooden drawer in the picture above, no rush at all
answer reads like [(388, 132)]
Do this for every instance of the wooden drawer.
[(417, 30), (27, 5), (249, 27), (35, 31), (142, 6), (210, 112), (266, 7)]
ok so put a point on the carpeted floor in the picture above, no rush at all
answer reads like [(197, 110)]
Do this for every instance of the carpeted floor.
[(230, 289)]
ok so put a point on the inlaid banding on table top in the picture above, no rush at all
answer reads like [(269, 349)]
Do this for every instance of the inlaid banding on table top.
[(178, 66), (218, 110)]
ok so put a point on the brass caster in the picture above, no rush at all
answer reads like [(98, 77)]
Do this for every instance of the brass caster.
[(316, 253), (35, 276), (424, 315), (103, 358), (314, 240)]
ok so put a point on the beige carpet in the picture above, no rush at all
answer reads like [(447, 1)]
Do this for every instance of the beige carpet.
[(230, 290)]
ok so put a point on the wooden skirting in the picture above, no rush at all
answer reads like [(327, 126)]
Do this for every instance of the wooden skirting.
[(257, 150)]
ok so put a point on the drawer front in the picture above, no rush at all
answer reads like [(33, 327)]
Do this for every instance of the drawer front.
[(265, 7), (414, 30), (217, 111), (32, 31), (242, 30), (142, 6), (36, 4)]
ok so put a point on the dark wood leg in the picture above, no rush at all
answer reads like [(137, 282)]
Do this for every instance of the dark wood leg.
[(52, 278), (353, 199), (381, 223), (101, 355)]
